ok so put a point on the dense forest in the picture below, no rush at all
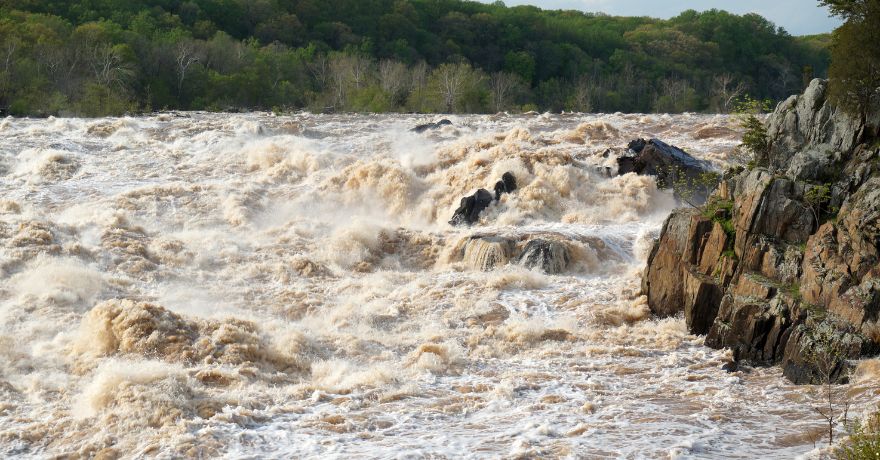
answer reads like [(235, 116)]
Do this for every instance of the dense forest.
[(99, 57)]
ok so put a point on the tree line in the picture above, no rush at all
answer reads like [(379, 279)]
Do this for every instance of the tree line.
[(107, 57)]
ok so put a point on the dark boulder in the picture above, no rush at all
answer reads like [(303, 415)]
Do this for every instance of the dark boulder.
[(733, 364), (470, 207), (499, 190), (655, 157), (507, 184), (509, 181), (428, 126), (669, 164), (636, 145), (550, 256)]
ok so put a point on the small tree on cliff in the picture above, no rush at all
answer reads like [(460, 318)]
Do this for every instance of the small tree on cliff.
[(855, 56), (755, 147), (692, 190), (825, 347), (816, 198)]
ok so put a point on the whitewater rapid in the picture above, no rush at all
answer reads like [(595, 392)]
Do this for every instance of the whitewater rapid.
[(251, 286)]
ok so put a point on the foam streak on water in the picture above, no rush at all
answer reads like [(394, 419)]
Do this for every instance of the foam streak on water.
[(249, 286)]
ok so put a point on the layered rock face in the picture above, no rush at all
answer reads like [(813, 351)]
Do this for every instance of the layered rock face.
[(761, 268)]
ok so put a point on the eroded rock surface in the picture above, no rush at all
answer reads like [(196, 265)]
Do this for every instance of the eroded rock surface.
[(761, 269)]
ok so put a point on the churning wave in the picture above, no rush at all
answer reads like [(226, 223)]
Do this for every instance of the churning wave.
[(206, 285)]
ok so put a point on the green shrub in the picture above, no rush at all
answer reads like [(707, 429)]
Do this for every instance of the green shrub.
[(690, 189), (710, 211), (370, 99), (794, 290), (38, 104), (755, 138), (826, 345), (100, 101), (756, 141), (863, 442), (816, 198)]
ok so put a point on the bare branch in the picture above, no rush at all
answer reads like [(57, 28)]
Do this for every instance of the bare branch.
[(187, 54)]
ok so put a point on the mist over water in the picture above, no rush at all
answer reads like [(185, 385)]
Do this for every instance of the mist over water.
[(208, 285)]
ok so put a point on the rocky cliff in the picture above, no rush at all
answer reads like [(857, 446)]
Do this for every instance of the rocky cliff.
[(772, 261)]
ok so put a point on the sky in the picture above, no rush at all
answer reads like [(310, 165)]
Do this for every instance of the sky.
[(798, 17)]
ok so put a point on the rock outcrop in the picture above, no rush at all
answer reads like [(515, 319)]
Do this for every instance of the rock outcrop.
[(671, 165), (470, 207), (507, 184), (550, 256), (766, 269)]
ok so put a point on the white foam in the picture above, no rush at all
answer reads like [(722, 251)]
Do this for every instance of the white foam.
[(332, 308)]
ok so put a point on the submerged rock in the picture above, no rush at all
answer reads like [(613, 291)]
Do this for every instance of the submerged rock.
[(668, 163), (710, 132), (550, 256), (470, 207), (428, 126), (487, 252)]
